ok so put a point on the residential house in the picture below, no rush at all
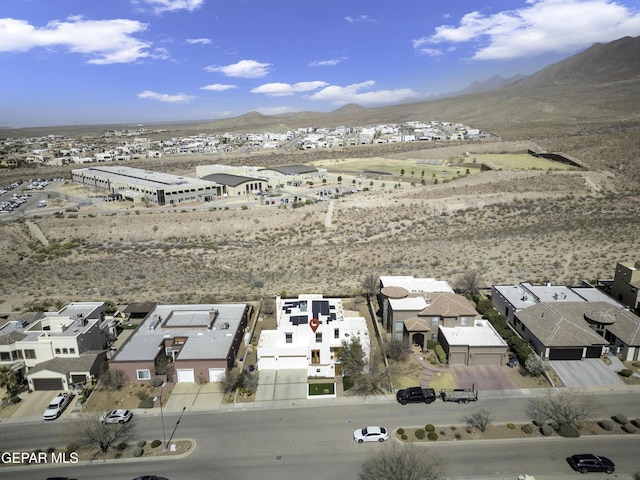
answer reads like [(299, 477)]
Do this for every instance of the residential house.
[(626, 285), (36, 344), (310, 330), (183, 343)]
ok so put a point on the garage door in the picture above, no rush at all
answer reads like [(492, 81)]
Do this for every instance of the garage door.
[(47, 384), (565, 354), (186, 376), (485, 359), (215, 374), (593, 352), (458, 358)]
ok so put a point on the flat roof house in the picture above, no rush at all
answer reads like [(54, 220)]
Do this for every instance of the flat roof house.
[(183, 343), (310, 329), (626, 285)]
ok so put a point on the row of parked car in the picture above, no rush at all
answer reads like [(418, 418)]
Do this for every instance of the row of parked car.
[(61, 401)]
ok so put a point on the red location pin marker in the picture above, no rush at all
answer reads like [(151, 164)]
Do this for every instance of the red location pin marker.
[(314, 323)]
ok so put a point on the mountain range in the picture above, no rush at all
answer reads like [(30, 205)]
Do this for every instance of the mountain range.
[(599, 84)]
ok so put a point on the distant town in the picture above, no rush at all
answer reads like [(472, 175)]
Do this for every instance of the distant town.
[(140, 143)]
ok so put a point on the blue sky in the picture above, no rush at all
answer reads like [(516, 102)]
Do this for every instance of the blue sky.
[(66, 62)]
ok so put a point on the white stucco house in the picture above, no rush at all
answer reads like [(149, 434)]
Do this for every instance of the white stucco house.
[(310, 330)]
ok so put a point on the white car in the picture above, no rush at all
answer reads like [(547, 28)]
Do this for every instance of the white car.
[(116, 416), (371, 434), (57, 406)]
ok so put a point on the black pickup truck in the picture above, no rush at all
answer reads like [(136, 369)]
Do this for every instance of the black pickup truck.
[(416, 395)]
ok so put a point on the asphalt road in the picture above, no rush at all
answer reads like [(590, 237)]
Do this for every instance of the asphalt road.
[(316, 443)]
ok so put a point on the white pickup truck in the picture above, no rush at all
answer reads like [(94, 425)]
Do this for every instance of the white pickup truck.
[(57, 406)]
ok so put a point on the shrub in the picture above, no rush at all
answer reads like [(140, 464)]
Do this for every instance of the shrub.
[(16, 400), (442, 356), (458, 436), (156, 444), (433, 436), (121, 446), (568, 431), (141, 443), (527, 428), (420, 433), (606, 424), (619, 418), (404, 436), (625, 372), (627, 427), (118, 455), (51, 450), (546, 430), (429, 428), (400, 431), (72, 447), (137, 452), (636, 422), (511, 426)]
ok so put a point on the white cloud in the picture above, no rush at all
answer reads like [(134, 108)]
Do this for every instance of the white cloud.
[(200, 41), (542, 26), (328, 63), (161, 6), (360, 19), (354, 94), (285, 89), (276, 110), (104, 41), (165, 97), (243, 69), (218, 87)]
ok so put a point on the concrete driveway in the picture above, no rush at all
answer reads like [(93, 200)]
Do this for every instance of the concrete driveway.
[(282, 385), (34, 404), (483, 377), (589, 372)]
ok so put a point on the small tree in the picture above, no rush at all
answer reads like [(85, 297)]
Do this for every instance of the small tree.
[(396, 349), (9, 379), (351, 357), (88, 430), (397, 461), (469, 283), (228, 381), (562, 407), (480, 419), (534, 365)]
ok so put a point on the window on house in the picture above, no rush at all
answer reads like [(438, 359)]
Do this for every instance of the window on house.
[(435, 321), (464, 321), (30, 354), (318, 337), (434, 337), (65, 351), (288, 337), (6, 356), (399, 326), (143, 374), (17, 354), (336, 333), (72, 351), (315, 357), (58, 351)]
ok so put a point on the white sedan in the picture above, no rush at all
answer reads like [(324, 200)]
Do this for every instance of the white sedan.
[(371, 434), (116, 416)]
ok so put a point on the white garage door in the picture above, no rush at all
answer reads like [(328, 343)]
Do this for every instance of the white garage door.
[(215, 374), (186, 376)]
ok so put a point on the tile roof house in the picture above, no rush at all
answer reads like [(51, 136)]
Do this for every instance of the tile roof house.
[(418, 310), (309, 330), (569, 323), (183, 343)]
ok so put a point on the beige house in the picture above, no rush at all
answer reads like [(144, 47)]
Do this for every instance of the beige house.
[(416, 313)]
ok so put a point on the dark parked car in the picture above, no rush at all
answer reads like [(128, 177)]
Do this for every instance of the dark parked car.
[(587, 462), (150, 477)]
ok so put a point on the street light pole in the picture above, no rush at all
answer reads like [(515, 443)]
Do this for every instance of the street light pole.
[(164, 437)]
